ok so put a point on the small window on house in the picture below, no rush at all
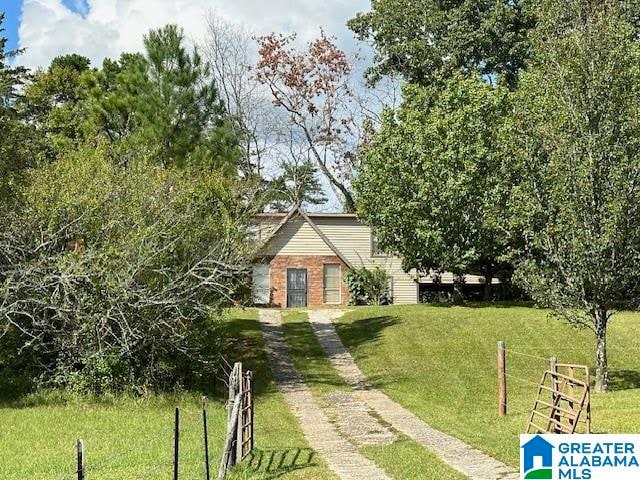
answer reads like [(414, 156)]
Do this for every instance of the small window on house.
[(331, 283), (376, 250), (261, 285)]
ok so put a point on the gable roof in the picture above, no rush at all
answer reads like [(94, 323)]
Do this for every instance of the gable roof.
[(297, 209)]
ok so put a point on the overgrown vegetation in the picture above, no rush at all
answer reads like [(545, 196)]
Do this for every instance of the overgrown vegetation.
[(368, 286), (130, 438), (123, 230), (114, 277)]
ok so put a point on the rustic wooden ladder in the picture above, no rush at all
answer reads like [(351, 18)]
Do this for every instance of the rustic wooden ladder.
[(563, 401)]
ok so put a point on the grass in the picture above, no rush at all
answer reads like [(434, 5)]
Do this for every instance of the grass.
[(125, 438), (131, 438), (440, 362), (402, 459), (437, 361)]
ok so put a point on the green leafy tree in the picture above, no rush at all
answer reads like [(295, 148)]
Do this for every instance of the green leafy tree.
[(422, 40), (165, 101), (52, 104), (15, 141), (575, 166), (298, 184), (429, 179)]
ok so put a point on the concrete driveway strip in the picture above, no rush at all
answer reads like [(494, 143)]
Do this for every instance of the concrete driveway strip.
[(341, 456), (455, 453)]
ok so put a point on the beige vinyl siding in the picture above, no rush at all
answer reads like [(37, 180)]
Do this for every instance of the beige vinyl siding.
[(297, 237), (353, 239), (265, 226)]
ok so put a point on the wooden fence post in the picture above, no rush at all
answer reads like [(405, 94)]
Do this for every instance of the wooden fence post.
[(251, 404), (176, 444), (80, 458), (239, 428), (502, 380), (228, 451), (206, 439), (234, 380), (588, 382)]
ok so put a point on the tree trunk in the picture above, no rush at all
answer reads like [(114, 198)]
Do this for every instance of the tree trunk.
[(487, 295), (458, 295), (602, 369), (348, 200)]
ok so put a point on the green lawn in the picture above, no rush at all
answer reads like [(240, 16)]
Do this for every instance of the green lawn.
[(437, 361), (440, 362), (403, 459), (129, 439)]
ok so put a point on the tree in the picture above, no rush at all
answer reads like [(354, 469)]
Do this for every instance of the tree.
[(113, 278), (15, 144), (312, 86), (427, 39), (229, 49), (298, 184), (429, 178), (52, 104), (167, 102), (120, 251), (575, 166)]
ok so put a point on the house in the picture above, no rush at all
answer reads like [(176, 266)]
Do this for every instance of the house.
[(303, 258)]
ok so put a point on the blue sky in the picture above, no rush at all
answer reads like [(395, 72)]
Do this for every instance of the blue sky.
[(13, 14), (12, 9)]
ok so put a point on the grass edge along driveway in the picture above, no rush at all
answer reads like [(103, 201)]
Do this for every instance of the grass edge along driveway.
[(129, 438), (440, 363), (403, 459)]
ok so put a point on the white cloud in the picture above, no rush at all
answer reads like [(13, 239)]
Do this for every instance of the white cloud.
[(111, 27)]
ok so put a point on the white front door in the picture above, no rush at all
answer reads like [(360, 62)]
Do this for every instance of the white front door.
[(261, 284)]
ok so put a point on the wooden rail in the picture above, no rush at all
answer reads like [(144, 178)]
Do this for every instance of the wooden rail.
[(569, 403)]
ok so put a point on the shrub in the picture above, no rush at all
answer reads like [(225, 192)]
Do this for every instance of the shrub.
[(115, 277), (368, 286)]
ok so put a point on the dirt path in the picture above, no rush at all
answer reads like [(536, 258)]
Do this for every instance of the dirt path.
[(341, 456), (457, 454)]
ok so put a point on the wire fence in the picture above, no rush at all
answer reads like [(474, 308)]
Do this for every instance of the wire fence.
[(523, 379), (145, 456), (150, 456), (180, 449)]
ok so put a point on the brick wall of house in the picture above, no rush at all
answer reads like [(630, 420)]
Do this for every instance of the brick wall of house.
[(315, 268)]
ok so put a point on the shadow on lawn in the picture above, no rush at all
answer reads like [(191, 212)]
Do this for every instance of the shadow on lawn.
[(624, 379), (246, 345), (364, 330), (274, 463)]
